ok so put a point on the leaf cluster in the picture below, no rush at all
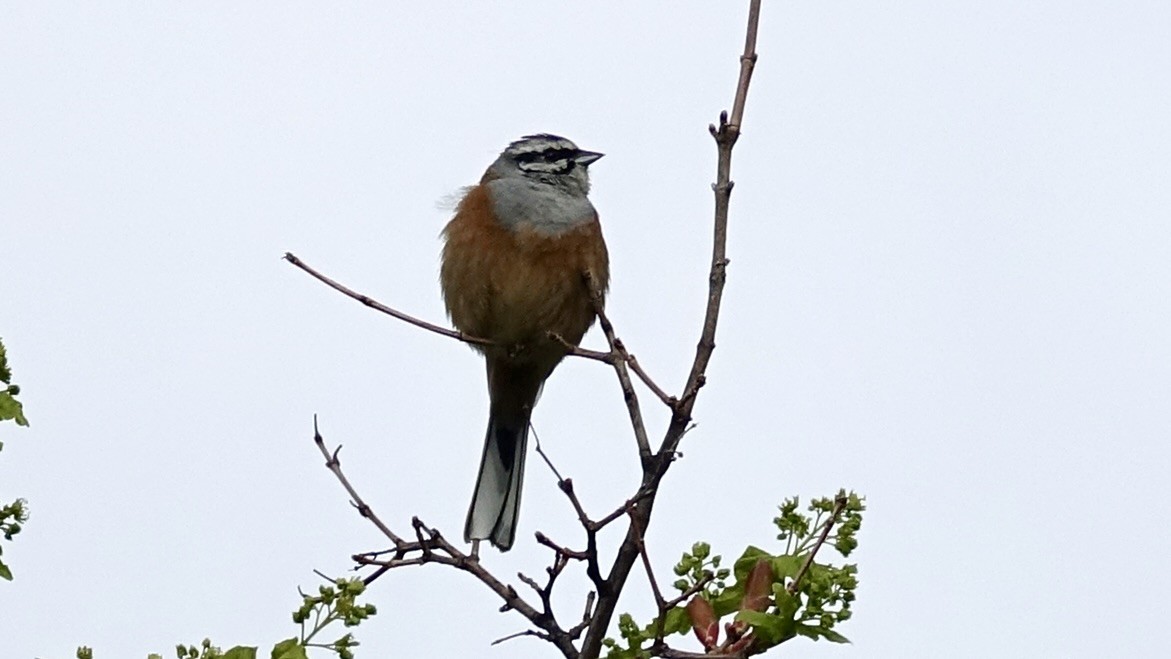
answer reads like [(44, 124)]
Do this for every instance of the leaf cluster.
[(699, 569), (15, 514), (334, 602), (12, 516), (10, 408), (763, 605)]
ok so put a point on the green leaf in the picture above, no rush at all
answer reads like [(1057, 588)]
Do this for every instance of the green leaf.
[(10, 408), (816, 632), (290, 648), (240, 652), (5, 573), (728, 600), (787, 603), (834, 637), (676, 621), (5, 374), (787, 566), (769, 629), (748, 559)]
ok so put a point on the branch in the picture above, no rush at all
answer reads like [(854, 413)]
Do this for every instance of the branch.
[(430, 547), (632, 406), (590, 555), (378, 306), (655, 468), (747, 63), (572, 350), (334, 464)]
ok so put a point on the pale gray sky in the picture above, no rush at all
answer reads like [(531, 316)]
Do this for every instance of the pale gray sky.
[(949, 290)]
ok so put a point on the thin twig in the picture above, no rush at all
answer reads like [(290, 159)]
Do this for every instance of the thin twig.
[(590, 555), (541, 452), (660, 602), (333, 463), (668, 400), (628, 393), (378, 306), (563, 484), (655, 467), (646, 563), (543, 539), (618, 352), (571, 350), (430, 547), (747, 63), (527, 632), (580, 627)]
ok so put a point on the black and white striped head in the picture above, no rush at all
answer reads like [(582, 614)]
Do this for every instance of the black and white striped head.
[(547, 159)]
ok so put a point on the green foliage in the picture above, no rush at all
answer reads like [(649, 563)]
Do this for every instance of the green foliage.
[(699, 565), (821, 599), (10, 408), (206, 650), (334, 602), (331, 604), (12, 516), (635, 638), (15, 514)]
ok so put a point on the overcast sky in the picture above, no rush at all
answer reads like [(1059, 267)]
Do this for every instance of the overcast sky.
[(949, 290)]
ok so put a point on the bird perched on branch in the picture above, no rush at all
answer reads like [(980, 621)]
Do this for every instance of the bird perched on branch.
[(514, 272)]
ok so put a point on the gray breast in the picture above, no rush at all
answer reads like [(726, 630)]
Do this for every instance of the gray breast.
[(550, 209)]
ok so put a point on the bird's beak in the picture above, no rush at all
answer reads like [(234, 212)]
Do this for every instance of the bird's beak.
[(584, 158)]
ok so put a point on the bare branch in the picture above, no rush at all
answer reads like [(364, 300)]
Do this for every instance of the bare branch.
[(747, 63), (527, 632), (656, 466), (430, 547), (668, 400), (572, 350), (580, 627), (628, 394), (660, 602), (544, 540), (333, 463), (378, 306)]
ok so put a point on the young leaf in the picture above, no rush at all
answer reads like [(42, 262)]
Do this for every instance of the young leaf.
[(769, 629), (290, 648), (676, 621)]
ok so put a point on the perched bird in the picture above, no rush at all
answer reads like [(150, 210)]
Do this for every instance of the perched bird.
[(512, 273)]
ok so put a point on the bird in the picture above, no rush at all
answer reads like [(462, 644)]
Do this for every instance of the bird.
[(523, 263)]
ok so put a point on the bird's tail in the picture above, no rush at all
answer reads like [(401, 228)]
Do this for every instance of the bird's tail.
[(496, 500)]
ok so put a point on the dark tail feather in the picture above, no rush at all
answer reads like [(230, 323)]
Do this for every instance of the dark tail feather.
[(496, 500)]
